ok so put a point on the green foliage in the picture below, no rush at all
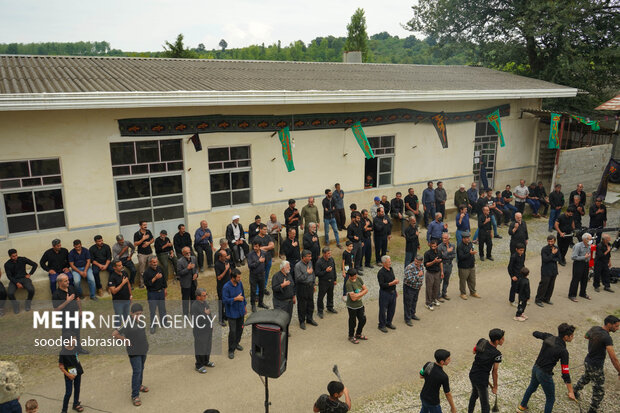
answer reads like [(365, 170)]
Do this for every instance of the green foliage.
[(223, 44), (178, 50), (357, 38), (57, 48), (569, 42)]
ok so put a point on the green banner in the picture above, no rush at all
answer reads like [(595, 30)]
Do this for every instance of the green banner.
[(287, 152), (591, 123), (554, 137), (362, 141), (494, 119)]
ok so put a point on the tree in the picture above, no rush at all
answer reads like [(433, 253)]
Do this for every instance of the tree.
[(178, 50), (573, 42), (201, 48), (223, 44), (357, 39)]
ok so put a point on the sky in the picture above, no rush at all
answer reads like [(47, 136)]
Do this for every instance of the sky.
[(144, 25)]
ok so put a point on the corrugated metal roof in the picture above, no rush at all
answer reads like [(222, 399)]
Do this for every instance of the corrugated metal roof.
[(62, 74), (612, 104)]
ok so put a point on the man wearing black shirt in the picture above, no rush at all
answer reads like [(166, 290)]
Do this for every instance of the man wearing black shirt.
[(412, 205), (187, 270), (137, 348), (120, 288), (466, 261), (541, 193), (486, 362), (283, 287), (412, 241), (552, 351), (485, 235), (66, 300), (432, 262), (598, 214), (181, 240), (101, 260), (142, 240), (253, 229), (575, 203), (157, 289), (366, 241), (550, 256), (355, 234), (55, 261), (599, 344), (203, 331), (397, 211), (267, 246), (15, 270), (290, 249), (602, 264), (518, 232), (256, 264), (329, 217), (165, 252), (517, 261), (326, 273), (387, 294), (223, 267), (291, 218), (434, 379), (565, 226), (386, 205), (556, 202), (578, 192), (311, 242), (382, 228)]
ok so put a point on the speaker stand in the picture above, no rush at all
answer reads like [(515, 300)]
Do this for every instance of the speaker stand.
[(267, 403)]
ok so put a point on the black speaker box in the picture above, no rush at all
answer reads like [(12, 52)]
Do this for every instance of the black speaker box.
[(269, 349)]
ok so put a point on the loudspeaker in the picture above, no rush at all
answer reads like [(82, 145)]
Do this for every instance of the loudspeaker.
[(269, 349)]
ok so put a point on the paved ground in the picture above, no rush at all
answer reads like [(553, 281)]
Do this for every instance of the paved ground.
[(381, 373)]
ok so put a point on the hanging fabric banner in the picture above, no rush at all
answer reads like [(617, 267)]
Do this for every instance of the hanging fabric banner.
[(439, 122), (287, 152), (196, 141), (495, 121), (362, 141), (610, 174), (591, 123), (554, 138)]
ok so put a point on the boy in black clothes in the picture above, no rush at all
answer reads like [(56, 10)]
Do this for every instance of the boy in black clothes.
[(486, 362), (329, 403), (523, 289), (517, 261), (435, 378), (72, 369)]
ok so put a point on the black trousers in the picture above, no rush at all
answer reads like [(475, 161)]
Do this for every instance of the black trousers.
[(326, 288), (202, 348), (2, 296), (579, 279), (27, 283), (341, 219), (601, 273), (513, 291), (356, 316), (357, 254), (545, 288), (563, 244), (381, 243), (367, 251), (484, 237), (545, 204), (410, 301), (520, 206), (236, 250), (284, 305), (521, 307), (187, 295), (305, 302), (235, 326), (206, 248), (387, 307), (221, 310), (257, 280), (479, 391)]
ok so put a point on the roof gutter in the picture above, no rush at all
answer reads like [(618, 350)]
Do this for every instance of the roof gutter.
[(113, 100)]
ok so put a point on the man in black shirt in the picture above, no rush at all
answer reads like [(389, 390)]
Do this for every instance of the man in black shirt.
[(549, 256), (599, 344), (602, 264), (203, 331), (66, 300), (397, 211), (434, 379), (142, 240), (120, 288), (329, 403), (55, 261), (552, 351), (517, 261), (156, 290), (355, 234), (181, 240), (291, 218), (387, 294), (565, 226), (325, 270), (253, 229), (486, 362), (580, 193), (412, 205), (15, 270), (432, 262), (290, 249), (223, 267), (101, 260), (366, 241), (412, 241), (256, 264), (283, 287), (598, 214), (541, 193), (485, 236), (187, 270), (386, 205), (312, 243), (267, 246), (518, 232), (165, 252), (137, 348), (382, 229), (579, 210), (556, 202), (329, 217)]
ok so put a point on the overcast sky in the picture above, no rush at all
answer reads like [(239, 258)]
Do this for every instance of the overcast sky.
[(144, 25)]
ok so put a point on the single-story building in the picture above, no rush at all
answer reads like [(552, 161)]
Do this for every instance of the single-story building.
[(92, 145)]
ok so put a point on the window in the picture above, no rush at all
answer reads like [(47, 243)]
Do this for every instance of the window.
[(485, 149), (380, 169), (143, 157), (230, 169), (32, 195)]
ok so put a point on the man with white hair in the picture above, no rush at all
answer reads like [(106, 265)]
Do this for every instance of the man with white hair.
[(581, 258), (460, 198), (236, 240), (387, 294), (283, 287), (602, 264), (518, 232)]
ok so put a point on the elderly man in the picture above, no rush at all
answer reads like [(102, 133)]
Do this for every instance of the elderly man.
[(236, 240), (472, 196), (436, 228), (181, 240), (142, 240), (203, 243), (549, 256), (485, 229), (66, 300), (579, 192), (156, 290), (311, 242), (101, 256), (123, 251), (460, 198), (202, 330), (329, 217), (428, 202), (387, 294), (447, 251), (355, 234), (518, 233), (326, 273), (581, 258), (187, 270), (375, 207), (274, 229), (309, 213), (521, 193), (283, 287), (466, 262), (382, 230), (412, 282), (412, 206), (165, 252), (602, 264), (55, 261), (79, 261), (339, 214), (305, 282), (267, 247), (575, 203)]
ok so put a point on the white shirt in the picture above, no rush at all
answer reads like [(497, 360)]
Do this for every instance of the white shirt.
[(521, 190), (236, 232)]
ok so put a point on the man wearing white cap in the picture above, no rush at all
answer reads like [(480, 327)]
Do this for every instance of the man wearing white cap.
[(236, 240)]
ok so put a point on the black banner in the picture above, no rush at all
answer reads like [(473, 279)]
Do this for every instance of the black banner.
[(439, 122), (610, 174)]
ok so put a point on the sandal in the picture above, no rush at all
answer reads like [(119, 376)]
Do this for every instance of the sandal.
[(78, 407), (136, 401), (361, 337), (144, 389), (353, 340)]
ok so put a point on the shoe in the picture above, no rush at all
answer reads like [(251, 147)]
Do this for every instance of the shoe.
[(383, 329), (587, 297), (391, 326), (223, 323), (436, 303), (441, 300), (481, 258), (312, 323), (27, 306), (360, 272), (339, 246), (562, 263), (475, 295), (99, 292), (415, 317), (430, 307), (522, 409), (262, 305), (538, 303), (231, 355), (201, 269), (524, 316), (153, 330), (409, 323), (548, 302), (320, 315), (499, 237), (239, 347), (267, 293), (369, 266), (573, 299), (210, 364), (253, 308), (202, 370), (577, 395), (511, 303), (331, 310), (445, 297), (519, 319), (463, 296), (302, 325), (490, 259), (609, 290), (598, 290)]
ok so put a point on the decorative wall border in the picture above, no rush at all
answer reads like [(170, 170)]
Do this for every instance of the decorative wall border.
[(296, 122)]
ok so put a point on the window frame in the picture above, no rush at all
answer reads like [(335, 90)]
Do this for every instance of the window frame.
[(479, 141), (229, 172), (383, 155), (148, 165)]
